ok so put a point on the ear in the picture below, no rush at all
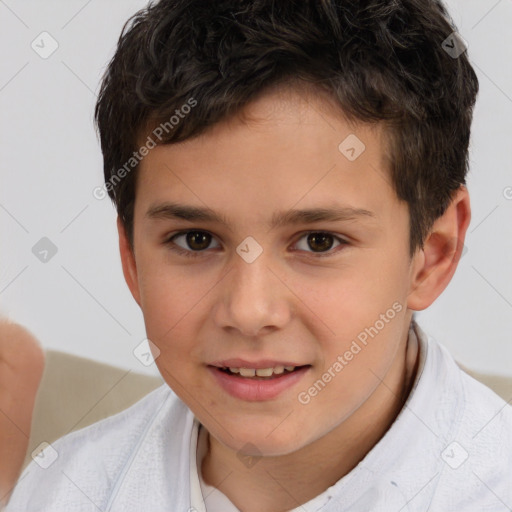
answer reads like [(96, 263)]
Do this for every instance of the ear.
[(128, 262), (433, 266)]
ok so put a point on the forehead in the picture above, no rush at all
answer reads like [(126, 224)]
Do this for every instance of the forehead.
[(286, 147)]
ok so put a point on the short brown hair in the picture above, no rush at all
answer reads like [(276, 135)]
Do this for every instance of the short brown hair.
[(381, 60)]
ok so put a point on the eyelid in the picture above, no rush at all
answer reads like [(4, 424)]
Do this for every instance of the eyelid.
[(332, 251), (170, 239)]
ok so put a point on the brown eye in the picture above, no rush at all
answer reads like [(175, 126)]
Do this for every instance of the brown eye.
[(198, 240), (320, 242), (193, 241)]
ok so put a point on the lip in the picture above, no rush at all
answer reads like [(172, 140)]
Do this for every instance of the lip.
[(257, 365), (254, 390)]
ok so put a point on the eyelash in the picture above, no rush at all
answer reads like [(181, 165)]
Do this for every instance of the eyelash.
[(195, 254)]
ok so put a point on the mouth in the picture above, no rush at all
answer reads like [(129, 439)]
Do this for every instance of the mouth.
[(272, 372), (257, 382)]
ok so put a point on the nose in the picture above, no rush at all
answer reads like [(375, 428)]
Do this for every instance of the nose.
[(252, 298)]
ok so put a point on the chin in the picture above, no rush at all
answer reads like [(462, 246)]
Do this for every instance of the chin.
[(265, 440)]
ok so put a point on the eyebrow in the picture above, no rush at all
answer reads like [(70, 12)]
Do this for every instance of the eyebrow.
[(170, 211)]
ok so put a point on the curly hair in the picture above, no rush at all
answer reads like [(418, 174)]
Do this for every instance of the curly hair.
[(380, 60)]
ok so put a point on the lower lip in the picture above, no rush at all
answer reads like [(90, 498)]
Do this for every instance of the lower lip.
[(254, 390)]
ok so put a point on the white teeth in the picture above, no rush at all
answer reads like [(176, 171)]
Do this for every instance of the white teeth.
[(264, 372), (261, 372)]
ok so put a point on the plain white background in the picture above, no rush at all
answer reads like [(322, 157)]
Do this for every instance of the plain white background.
[(78, 302)]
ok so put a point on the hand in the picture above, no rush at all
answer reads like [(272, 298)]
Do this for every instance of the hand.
[(21, 369)]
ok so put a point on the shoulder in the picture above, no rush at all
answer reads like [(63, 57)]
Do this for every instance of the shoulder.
[(487, 428), (477, 460), (80, 470), (485, 420)]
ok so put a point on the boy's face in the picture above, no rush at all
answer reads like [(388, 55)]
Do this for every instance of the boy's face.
[(301, 301)]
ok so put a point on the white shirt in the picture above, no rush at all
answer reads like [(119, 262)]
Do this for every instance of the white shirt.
[(449, 450)]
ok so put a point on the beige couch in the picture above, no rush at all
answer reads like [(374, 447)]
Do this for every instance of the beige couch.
[(76, 392)]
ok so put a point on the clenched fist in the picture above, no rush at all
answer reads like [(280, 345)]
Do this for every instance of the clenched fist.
[(21, 369)]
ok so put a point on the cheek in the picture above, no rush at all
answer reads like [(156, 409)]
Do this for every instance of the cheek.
[(167, 296), (172, 306), (358, 321), (163, 318), (348, 299)]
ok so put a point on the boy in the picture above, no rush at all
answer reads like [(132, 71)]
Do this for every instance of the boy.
[(289, 179)]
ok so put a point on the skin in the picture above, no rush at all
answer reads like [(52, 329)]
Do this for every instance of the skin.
[(291, 303), (21, 370)]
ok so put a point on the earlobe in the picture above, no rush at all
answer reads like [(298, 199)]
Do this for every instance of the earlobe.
[(128, 262), (434, 266)]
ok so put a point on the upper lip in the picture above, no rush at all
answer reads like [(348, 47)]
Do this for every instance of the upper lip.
[(243, 363)]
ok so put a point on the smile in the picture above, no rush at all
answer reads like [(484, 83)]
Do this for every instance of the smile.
[(257, 384), (260, 372)]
